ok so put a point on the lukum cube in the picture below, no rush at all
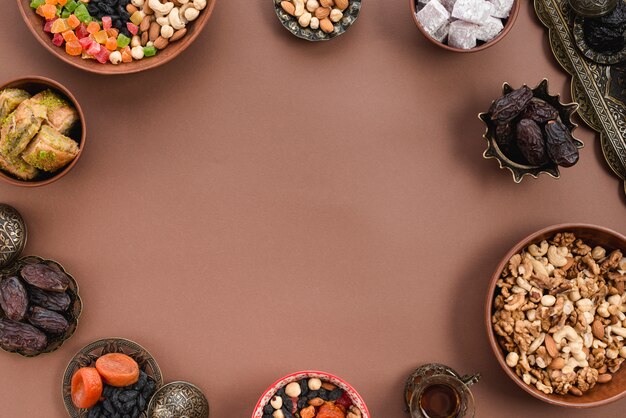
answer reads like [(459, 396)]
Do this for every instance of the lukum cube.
[(473, 11), (502, 8), (20, 127), (462, 35), (10, 99), (50, 150), (433, 16), (61, 116), (488, 31)]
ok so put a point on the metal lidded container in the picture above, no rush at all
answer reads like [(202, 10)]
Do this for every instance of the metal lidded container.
[(13, 236), (593, 8), (178, 399)]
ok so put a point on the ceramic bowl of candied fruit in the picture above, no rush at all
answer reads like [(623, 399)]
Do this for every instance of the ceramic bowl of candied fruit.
[(116, 36), (311, 394), (43, 131), (554, 315), (465, 25)]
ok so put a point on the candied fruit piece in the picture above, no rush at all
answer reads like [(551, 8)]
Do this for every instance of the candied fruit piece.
[(123, 41), (107, 22), (71, 5), (111, 44), (112, 32), (103, 55), (52, 2), (70, 36), (62, 2), (101, 37), (34, 4), (126, 54), (85, 42), (137, 17), (47, 27), (82, 13), (57, 39), (73, 21), (149, 51), (47, 10), (60, 26), (93, 27), (81, 31), (132, 28), (94, 49), (73, 48)]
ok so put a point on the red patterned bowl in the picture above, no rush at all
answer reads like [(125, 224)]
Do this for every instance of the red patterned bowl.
[(325, 377)]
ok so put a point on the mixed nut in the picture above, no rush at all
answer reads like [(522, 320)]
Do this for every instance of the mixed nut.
[(559, 314), (117, 31), (35, 307), (311, 398), (529, 130), (316, 14)]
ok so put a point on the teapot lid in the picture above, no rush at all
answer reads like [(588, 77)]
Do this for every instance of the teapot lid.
[(12, 235)]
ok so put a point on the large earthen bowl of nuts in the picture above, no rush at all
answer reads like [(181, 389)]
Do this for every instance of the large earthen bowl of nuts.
[(555, 315), (116, 36), (465, 25), (310, 394)]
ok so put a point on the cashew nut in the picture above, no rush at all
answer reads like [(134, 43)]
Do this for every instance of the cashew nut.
[(585, 305), (539, 269), (182, 10), (137, 3), (175, 20), (557, 256), (618, 331), (611, 353), (163, 20), (615, 300), (159, 7), (536, 251), (199, 4), (299, 8), (622, 352), (523, 284), (566, 332), (191, 14)]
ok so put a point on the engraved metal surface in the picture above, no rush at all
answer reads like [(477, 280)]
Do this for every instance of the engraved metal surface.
[(599, 57), (598, 88), (12, 235), (593, 8), (178, 399), (87, 357)]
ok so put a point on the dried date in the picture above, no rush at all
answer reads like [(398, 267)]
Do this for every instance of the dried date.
[(507, 108), (13, 298), (16, 336), (505, 137), (44, 278), (560, 143), (47, 320), (540, 111), (59, 302), (531, 143)]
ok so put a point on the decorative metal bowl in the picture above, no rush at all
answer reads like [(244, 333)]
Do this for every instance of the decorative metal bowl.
[(178, 399), (519, 170), (87, 357), (596, 56), (593, 8), (290, 23)]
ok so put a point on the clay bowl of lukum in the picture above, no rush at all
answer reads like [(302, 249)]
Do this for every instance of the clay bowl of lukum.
[(601, 393), (507, 23), (36, 25), (78, 132)]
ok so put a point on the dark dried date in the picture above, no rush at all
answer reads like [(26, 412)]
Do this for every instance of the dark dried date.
[(507, 108), (531, 143), (505, 137), (540, 111), (47, 320), (44, 278), (13, 298), (560, 144), (59, 302), (16, 336)]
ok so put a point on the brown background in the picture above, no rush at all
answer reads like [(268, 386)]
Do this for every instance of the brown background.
[(263, 205)]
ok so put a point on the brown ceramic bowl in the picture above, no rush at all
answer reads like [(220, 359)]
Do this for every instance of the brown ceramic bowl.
[(601, 394), (35, 24), (33, 85), (507, 27)]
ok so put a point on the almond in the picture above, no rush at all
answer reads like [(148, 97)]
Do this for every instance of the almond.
[(342, 4), (329, 386), (557, 364), (604, 378), (178, 34), (144, 39), (154, 32), (161, 43), (322, 12), (147, 9), (597, 328), (144, 26), (575, 391), (327, 3), (288, 7), (553, 351), (326, 25), (131, 9), (316, 402)]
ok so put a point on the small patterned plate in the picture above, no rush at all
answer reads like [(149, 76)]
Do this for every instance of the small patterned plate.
[(88, 355), (291, 23), (595, 56)]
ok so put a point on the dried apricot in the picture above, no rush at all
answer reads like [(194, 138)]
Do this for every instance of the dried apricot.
[(330, 410), (118, 369), (86, 387)]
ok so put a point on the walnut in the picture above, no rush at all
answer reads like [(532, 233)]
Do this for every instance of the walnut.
[(564, 239), (591, 264), (514, 302), (597, 358), (522, 336), (514, 263), (612, 261), (586, 378), (615, 364), (562, 382), (580, 248)]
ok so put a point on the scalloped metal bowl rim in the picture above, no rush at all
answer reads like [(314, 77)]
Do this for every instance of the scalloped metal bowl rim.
[(126, 69), (74, 287), (284, 23), (176, 382), (311, 373), (505, 31), (490, 296), (55, 85), (106, 340), (511, 165)]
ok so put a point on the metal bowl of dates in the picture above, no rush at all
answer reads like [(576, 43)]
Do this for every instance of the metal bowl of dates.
[(289, 22), (178, 399), (603, 39), (87, 357), (529, 132)]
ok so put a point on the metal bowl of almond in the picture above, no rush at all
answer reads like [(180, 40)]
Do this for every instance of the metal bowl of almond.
[(317, 20), (556, 315)]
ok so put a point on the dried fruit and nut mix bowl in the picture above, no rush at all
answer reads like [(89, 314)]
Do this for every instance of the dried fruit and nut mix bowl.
[(317, 20), (113, 377), (42, 131), (555, 315), (116, 36), (311, 394), (465, 25)]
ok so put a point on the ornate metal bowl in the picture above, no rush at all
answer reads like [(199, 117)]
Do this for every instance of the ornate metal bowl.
[(596, 56), (88, 355), (178, 399), (593, 8), (290, 23), (519, 170)]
